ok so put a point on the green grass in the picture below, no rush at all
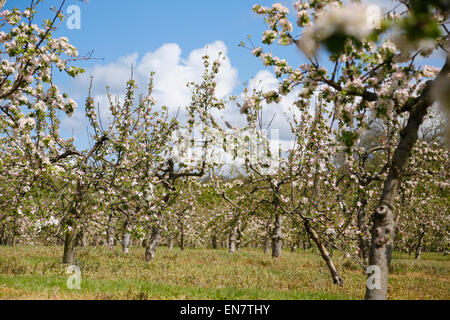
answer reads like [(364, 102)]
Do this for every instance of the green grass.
[(36, 273)]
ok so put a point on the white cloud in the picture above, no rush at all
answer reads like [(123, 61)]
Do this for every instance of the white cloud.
[(75, 122), (172, 73), (275, 113)]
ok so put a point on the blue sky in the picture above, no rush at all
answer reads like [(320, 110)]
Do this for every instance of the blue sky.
[(168, 37), (116, 28), (124, 32)]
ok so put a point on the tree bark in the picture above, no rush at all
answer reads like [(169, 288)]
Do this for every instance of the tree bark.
[(418, 252), (363, 239), (14, 234), (81, 238), (277, 237), (84, 239), (238, 238), (182, 236), (2, 236), (110, 234), (325, 254), (232, 240), (267, 236), (152, 243), (293, 246), (170, 242), (126, 240), (69, 246), (214, 242), (383, 229)]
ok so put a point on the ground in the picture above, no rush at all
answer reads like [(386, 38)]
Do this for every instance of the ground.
[(28, 272)]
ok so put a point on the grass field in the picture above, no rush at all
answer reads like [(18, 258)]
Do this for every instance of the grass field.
[(36, 273)]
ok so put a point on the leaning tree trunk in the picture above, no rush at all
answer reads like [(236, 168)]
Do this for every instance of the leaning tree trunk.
[(325, 254), (383, 229), (277, 237), (152, 243), (69, 245), (313, 234)]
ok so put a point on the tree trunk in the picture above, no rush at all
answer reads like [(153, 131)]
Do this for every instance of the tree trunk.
[(182, 236), (293, 246), (383, 229), (214, 242), (238, 239), (84, 239), (110, 234), (152, 243), (267, 236), (298, 241), (126, 238), (232, 240), (419, 246), (3, 236), (277, 237), (69, 245), (267, 245), (81, 238), (170, 242), (325, 254), (363, 237), (13, 241), (309, 241), (418, 253)]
